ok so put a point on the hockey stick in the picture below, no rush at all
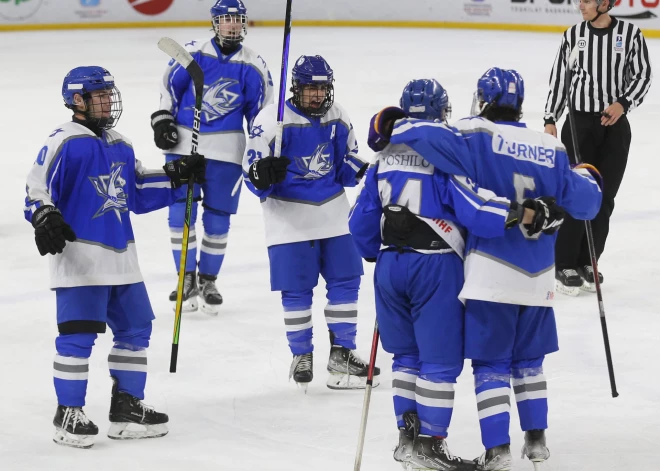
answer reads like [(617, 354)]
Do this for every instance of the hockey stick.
[(183, 57), (367, 399), (283, 73), (572, 59)]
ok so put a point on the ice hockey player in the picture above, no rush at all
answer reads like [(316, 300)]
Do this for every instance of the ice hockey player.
[(306, 218), (80, 190), (509, 282), (419, 272), (237, 86)]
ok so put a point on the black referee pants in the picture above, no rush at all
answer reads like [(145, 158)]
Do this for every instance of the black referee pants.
[(606, 148)]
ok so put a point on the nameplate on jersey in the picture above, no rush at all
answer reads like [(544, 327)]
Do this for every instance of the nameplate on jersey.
[(404, 162), (533, 153), (449, 232)]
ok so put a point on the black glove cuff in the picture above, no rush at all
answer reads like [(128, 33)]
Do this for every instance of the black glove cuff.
[(516, 212), (161, 115), (41, 213)]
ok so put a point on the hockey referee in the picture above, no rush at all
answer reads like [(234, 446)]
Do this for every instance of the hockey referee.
[(611, 78)]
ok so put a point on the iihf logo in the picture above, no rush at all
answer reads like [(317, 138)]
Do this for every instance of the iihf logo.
[(618, 45)]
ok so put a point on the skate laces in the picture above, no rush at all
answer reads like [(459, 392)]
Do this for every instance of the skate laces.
[(301, 362), (75, 416), (145, 408), (568, 272), (441, 446), (208, 287), (356, 359)]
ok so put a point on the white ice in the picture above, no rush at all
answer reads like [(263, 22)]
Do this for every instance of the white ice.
[(231, 405)]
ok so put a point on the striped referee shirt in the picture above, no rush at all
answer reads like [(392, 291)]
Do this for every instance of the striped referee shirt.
[(613, 66)]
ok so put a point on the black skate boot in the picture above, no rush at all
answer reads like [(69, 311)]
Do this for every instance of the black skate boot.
[(347, 370), (302, 369), (189, 293), (586, 272), (73, 428), (497, 458), (211, 299), (568, 282), (130, 418), (407, 435), (534, 448), (433, 453)]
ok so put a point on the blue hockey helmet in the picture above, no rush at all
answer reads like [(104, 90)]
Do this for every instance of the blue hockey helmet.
[(425, 99), (101, 109), (229, 18), (312, 73), (499, 88)]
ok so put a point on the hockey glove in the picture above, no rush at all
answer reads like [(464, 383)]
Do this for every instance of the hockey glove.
[(165, 133), (268, 171), (180, 170), (51, 231), (381, 125), (548, 215)]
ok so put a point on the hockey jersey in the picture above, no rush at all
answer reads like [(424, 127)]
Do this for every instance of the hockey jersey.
[(310, 203), (235, 86), (399, 175), (95, 182), (516, 163)]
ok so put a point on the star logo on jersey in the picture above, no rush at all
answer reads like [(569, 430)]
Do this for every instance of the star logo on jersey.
[(219, 100), (57, 131), (191, 43), (256, 131), (111, 189), (316, 165)]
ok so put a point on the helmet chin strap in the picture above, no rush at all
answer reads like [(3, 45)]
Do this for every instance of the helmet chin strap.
[(598, 13)]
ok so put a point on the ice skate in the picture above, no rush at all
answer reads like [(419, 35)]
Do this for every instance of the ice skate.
[(302, 370), (588, 282), (347, 370), (210, 298), (407, 434), (535, 449), (497, 458), (568, 282), (431, 453), (73, 428), (131, 419), (190, 292)]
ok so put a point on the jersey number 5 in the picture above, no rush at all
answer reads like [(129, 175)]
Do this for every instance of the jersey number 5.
[(523, 183)]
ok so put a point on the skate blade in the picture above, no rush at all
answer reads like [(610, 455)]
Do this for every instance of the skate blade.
[(209, 309), (64, 438), (567, 290), (303, 387), (131, 431), (188, 306), (537, 465), (346, 381)]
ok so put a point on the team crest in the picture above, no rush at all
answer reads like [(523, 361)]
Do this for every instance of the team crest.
[(316, 165), (219, 100), (111, 189)]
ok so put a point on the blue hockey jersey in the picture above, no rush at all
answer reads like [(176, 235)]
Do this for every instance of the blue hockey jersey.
[(399, 175), (311, 202), (236, 86), (515, 163), (95, 182)]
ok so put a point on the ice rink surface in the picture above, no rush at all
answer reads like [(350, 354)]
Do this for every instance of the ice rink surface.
[(231, 405)]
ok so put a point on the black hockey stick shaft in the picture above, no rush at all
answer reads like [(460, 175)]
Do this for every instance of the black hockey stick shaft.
[(283, 74), (587, 225), (367, 399), (183, 57)]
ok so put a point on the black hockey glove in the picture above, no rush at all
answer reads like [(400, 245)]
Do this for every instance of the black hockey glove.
[(268, 171), (548, 215), (50, 230), (180, 170), (165, 133)]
